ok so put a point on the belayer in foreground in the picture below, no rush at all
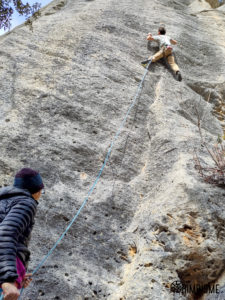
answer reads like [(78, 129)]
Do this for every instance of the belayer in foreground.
[(18, 204), (165, 50)]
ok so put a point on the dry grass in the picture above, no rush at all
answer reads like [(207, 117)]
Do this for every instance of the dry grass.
[(211, 174), (216, 174)]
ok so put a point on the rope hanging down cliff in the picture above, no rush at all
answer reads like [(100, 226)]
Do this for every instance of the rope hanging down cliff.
[(97, 178)]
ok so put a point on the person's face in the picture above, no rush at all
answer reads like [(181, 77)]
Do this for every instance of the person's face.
[(37, 195)]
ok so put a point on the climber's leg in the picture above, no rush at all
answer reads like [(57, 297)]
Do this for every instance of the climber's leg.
[(157, 56), (171, 61), (154, 58)]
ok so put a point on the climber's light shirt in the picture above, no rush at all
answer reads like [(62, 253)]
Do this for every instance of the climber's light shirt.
[(162, 40)]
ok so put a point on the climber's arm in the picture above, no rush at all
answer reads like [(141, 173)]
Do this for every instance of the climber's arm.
[(150, 37), (173, 42)]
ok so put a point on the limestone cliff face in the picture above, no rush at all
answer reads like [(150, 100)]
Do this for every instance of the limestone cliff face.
[(65, 88)]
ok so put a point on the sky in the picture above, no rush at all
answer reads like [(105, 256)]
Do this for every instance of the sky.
[(17, 20)]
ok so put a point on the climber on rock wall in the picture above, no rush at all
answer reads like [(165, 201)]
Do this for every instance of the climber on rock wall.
[(18, 204), (165, 50)]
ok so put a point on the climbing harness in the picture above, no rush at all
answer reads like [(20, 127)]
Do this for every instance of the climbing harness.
[(167, 50), (97, 178)]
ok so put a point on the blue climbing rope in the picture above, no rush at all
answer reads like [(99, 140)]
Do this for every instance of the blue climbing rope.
[(99, 173), (98, 176)]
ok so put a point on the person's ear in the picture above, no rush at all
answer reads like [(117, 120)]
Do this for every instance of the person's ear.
[(37, 195)]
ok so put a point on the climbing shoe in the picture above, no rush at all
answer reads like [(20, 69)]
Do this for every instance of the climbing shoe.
[(145, 62), (178, 76)]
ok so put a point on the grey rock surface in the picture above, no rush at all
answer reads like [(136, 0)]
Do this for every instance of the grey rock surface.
[(65, 88)]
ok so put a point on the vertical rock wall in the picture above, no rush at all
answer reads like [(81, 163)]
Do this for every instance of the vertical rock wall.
[(65, 88)]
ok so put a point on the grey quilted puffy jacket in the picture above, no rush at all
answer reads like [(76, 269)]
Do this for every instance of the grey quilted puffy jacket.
[(17, 212)]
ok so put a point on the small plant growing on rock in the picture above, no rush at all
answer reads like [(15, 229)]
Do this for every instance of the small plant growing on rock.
[(216, 174), (29, 22)]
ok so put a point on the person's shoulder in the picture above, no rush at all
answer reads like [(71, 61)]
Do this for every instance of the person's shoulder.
[(156, 38), (23, 205), (16, 196), (23, 200)]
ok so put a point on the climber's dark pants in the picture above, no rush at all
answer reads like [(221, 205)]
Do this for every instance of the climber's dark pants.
[(168, 54)]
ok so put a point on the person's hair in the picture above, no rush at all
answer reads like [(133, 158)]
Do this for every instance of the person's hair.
[(162, 30)]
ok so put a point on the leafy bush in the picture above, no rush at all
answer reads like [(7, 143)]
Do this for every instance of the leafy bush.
[(7, 8)]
